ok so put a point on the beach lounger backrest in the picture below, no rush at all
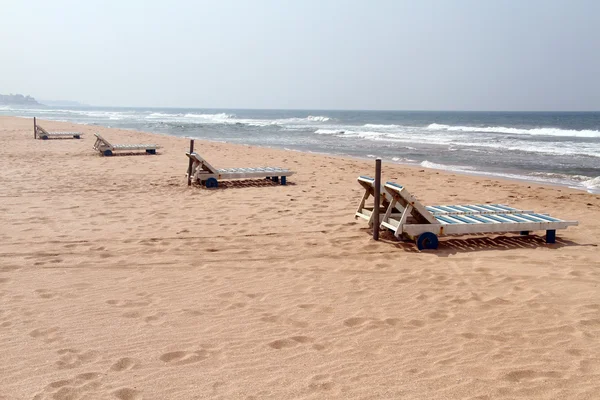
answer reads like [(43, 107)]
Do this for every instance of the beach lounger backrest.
[(203, 163), (42, 130), (369, 184), (385, 200), (401, 195), (104, 141)]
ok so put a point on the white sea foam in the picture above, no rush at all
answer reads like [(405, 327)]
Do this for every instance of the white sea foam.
[(385, 127), (158, 115), (458, 140), (403, 160), (330, 131), (318, 118), (592, 184), (432, 165), (219, 116), (295, 123), (517, 131), (576, 181), (562, 149)]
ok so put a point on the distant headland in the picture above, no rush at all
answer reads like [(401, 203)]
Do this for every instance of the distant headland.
[(21, 100), (18, 99)]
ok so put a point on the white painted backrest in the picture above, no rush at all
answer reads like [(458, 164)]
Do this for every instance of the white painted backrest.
[(205, 165), (403, 195), (103, 140)]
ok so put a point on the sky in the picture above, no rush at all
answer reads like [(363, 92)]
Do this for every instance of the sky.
[(522, 55)]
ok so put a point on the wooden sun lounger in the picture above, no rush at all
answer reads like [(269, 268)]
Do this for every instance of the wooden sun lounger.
[(41, 133), (366, 211), (205, 174), (105, 148), (418, 223)]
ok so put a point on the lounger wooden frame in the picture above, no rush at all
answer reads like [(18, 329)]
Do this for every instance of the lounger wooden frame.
[(43, 134), (205, 174), (406, 217), (106, 148), (416, 222), (366, 212)]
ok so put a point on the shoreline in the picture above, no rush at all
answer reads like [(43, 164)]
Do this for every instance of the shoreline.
[(509, 176)]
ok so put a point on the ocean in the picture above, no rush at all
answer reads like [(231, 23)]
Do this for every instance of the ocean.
[(544, 147)]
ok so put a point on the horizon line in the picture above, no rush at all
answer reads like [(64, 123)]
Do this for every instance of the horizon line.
[(328, 109)]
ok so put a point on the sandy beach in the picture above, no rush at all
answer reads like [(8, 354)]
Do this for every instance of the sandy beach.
[(118, 281)]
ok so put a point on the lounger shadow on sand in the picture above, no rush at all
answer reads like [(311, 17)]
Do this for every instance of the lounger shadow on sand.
[(107, 149), (406, 217), (205, 174)]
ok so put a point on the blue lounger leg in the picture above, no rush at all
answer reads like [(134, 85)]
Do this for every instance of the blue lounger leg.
[(524, 233), (283, 181), (551, 236), (275, 178)]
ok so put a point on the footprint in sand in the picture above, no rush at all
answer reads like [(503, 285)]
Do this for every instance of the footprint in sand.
[(49, 335), (416, 323), (127, 394), (592, 323), (184, 357), (438, 315), (78, 387), (278, 319), (293, 342), (269, 318), (132, 314), (321, 383), (316, 307), (236, 305), (192, 312), (128, 303), (70, 358), (282, 344), (125, 364), (155, 319), (528, 375), (356, 321)]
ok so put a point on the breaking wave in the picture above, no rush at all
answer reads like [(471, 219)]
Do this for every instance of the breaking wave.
[(432, 165), (517, 131), (318, 118), (592, 184)]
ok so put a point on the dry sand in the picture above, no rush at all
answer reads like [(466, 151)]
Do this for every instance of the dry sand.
[(118, 281)]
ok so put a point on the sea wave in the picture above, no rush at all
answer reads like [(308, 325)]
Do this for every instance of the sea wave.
[(432, 165), (157, 114), (403, 160), (231, 119), (318, 118), (385, 127), (576, 181), (330, 131), (592, 184), (517, 131), (463, 141), (219, 116)]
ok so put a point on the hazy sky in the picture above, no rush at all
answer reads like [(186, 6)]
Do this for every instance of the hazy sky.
[(311, 54)]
